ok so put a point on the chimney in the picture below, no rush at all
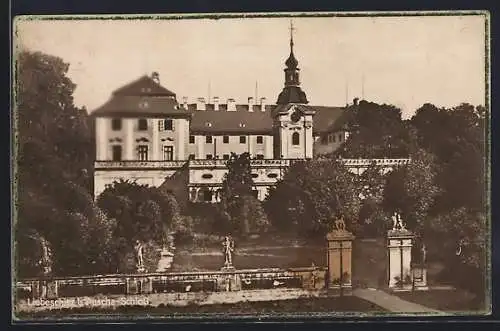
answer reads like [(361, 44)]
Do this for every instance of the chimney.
[(231, 105), (263, 103), (155, 76), (216, 103), (251, 102), (185, 102), (200, 104)]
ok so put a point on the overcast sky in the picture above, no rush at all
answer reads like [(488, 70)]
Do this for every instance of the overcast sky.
[(405, 61)]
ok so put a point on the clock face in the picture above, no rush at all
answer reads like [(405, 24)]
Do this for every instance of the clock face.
[(295, 116)]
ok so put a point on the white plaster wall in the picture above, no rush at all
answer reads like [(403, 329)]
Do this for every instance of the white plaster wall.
[(196, 176), (101, 132), (269, 149)]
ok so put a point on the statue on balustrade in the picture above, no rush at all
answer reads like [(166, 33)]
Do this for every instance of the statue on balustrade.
[(228, 247), (139, 250)]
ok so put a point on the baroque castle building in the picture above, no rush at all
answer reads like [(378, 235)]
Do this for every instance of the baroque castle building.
[(144, 134)]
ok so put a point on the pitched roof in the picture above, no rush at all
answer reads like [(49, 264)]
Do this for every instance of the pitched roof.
[(239, 121), (140, 106), (243, 121), (144, 86), (142, 97), (145, 97)]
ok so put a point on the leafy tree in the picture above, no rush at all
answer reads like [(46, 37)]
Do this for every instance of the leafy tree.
[(377, 131), (412, 190), (311, 195), (143, 213), (372, 217), (457, 137), (239, 211), (459, 238), (52, 170), (254, 218)]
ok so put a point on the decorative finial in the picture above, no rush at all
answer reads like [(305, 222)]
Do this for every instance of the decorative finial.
[(291, 35)]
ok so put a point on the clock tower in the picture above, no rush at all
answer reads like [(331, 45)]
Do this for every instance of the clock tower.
[(292, 118)]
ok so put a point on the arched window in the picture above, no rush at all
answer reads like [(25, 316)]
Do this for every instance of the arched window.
[(295, 138)]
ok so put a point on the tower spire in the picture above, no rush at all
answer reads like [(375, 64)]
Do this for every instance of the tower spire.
[(292, 92)]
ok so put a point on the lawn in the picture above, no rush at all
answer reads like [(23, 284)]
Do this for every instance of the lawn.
[(446, 300), (270, 257), (368, 256), (335, 305)]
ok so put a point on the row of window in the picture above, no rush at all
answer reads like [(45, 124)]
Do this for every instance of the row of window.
[(331, 138), (225, 139), (243, 139), (168, 154), (224, 156), (143, 153), (142, 124), (168, 125)]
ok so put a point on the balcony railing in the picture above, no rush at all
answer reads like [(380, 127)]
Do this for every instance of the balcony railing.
[(139, 164), (379, 162), (272, 163), (253, 163)]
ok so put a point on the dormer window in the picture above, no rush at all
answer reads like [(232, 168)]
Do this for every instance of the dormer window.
[(144, 104)]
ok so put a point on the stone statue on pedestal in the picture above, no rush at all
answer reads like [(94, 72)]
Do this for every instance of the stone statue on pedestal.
[(46, 260), (139, 249), (397, 222), (340, 224), (228, 246), (424, 254)]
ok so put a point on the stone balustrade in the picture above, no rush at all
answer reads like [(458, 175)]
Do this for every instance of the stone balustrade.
[(139, 164), (222, 163), (171, 282), (379, 162)]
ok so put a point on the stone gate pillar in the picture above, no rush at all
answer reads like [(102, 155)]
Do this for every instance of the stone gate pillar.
[(399, 244), (339, 253)]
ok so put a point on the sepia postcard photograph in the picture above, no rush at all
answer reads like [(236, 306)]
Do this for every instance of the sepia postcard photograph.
[(285, 165)]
